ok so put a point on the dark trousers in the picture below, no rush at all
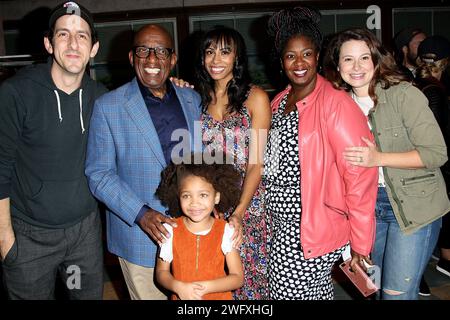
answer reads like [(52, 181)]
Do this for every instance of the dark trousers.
[(39, 255), (444, 235)]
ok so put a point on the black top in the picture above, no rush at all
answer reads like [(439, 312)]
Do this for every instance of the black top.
[(43, 147), (167, 116), (434, 90)]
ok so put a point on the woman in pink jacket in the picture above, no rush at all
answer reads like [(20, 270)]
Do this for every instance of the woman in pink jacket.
[(317, 203)]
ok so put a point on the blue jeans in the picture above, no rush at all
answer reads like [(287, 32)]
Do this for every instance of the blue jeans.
[(401, 258)]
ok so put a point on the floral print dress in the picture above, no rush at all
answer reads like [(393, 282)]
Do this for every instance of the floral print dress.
[(232, 136)]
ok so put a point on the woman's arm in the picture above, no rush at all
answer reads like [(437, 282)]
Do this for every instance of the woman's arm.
[(258, 105), (423, 131), (234, 279), (370, 157), (184, 290)]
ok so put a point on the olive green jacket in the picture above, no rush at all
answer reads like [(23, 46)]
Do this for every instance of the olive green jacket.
[(402, 121)]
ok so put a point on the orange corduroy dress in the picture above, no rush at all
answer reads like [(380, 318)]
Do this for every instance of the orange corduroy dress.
[(199, 257)]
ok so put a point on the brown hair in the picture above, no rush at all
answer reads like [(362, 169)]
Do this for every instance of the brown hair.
[(426, 68), (223, 177), (386, 70)]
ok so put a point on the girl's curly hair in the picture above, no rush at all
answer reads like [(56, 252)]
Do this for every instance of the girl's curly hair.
[(223, 177)]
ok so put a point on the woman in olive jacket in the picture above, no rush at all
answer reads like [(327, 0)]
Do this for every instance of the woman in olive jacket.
[(409, 151)]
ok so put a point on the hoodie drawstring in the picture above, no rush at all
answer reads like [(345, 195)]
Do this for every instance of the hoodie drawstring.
[(81, 111), (81, 108), (59, 105)]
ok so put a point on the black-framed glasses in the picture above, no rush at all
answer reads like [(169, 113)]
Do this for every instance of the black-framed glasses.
[(160, 52)]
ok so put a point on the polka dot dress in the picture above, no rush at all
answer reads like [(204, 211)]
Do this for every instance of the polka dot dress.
[(291, 276)]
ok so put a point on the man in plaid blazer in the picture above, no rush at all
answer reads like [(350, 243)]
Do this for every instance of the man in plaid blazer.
[(130, 143)]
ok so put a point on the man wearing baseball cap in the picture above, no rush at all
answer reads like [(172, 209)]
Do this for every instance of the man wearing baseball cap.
[(49, 221), (406, 42), (73, 8)]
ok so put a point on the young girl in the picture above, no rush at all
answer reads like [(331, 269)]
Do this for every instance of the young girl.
[(192, 260)]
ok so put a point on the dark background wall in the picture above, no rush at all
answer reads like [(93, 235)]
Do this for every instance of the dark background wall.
[(25, 21)]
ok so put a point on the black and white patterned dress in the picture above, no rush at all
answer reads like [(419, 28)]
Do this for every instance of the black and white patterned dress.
[(291, 276)]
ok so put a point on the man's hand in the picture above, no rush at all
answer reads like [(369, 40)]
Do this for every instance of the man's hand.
[(151, 222), (7, 237), (181, 83), (6, 243)]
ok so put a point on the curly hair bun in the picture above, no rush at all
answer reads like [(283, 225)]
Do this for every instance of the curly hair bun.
[(290, 22), (286, 17), (308, 13)]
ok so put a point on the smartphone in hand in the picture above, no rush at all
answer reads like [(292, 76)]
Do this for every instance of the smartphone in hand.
[(360, 278)]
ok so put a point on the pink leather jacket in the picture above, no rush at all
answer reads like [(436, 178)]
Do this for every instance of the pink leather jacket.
[(338, 199)]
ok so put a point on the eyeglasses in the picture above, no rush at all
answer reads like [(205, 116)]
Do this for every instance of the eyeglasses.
[(160, 52)]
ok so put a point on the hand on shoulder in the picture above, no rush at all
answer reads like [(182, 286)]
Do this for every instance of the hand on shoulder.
[(181, 83)]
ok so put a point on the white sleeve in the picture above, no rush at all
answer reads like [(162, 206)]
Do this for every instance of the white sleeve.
[(226, 239), (166, 248)]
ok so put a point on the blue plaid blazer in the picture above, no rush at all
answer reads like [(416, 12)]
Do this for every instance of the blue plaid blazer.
[(124, 162)]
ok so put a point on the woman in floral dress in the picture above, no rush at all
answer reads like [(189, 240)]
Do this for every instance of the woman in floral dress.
[(235, 120)]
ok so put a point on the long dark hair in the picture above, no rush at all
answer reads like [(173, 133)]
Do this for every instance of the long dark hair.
[(386, 71), (239, 86)]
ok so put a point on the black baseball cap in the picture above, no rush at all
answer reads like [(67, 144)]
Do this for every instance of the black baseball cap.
[(71, 7), (434, 48)]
